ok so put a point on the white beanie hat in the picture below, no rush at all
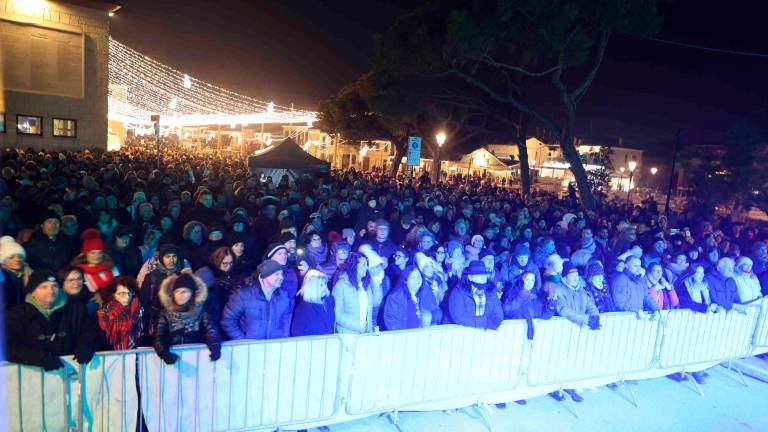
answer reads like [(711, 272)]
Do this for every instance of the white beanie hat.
[(374, 259), (9, 248)]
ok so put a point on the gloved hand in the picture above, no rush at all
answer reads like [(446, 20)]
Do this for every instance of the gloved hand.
[(83, 354), (169, 358), (594, 322), (215, 352), (51, 362)]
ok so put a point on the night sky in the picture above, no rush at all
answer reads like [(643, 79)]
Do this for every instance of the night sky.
[(299, 51)]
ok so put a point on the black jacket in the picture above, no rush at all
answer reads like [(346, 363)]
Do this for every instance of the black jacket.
[(176, 326), (43, 252), (127, 260), (13, 288), (29, 336), (313, 318)]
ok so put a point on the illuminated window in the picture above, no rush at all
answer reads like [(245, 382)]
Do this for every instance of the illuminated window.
[(64, 128), (2, 122), (29, 125)]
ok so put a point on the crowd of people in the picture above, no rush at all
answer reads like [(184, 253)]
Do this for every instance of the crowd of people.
[(107, 251)]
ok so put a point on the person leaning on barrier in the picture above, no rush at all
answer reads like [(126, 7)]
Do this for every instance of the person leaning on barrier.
[(722, 287), (693, 291), (630, 293), (474, 302), (259, 308), (410, 302), (597, 286), (48, 325), (121, 317), (521, 301), (314, 313), (183, 319), (747, 283), (574, 303)]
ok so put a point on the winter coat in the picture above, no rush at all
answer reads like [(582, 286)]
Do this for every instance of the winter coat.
[(576, 305), (523, 304), (290, 282), (250, 315), (150, 289), (722, 290), (30, 336), (748, 286), (14, 287), (42, 252), (127, 260), (178, 325), (385, 249), (348, 307), (687, 301), (630, 293), (461, 308), (220, 286), (314, 318), (400, 311), (602, 297)]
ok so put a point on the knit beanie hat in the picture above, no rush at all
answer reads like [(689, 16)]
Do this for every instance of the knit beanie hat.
[(522, 249), (568, 268), (185, 280), (92, 241), (594, 269), (374, 259), (273, 248), (268, 268), (9, 248), (49, 214), (286, 237), (39, 276)]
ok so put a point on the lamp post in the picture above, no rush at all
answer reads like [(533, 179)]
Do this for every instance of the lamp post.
[(440, 138), (631, 165), (654, 170)]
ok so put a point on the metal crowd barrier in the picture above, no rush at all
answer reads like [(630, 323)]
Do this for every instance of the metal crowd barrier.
[(760, 341), (394, 370), (255, 384), (691, 338), (299, 381), (562, 351)]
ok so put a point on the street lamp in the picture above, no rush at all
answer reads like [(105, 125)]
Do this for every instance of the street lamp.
[(631, 165), (654, 170), (440, 138)]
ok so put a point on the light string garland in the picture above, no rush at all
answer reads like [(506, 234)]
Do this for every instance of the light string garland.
[(140, 86)]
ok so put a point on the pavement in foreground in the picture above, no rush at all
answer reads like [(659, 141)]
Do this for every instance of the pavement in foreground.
[(664, 405)]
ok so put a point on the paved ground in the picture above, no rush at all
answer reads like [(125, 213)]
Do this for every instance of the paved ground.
[(664, 405)]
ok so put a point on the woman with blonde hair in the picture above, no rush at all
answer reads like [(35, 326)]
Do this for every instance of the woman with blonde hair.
[(314, 313)]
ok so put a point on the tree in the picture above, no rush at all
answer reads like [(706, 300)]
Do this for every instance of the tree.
[(599, 177), (500, 47), (352, 115), (733, 174)]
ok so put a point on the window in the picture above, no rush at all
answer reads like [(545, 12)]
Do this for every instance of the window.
[(29, 125), (2, 122), (64, 128)]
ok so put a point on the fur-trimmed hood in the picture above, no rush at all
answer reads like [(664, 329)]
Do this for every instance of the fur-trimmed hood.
[(166, 292)]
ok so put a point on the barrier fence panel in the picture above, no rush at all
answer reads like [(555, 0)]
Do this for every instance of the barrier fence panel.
[(562, 351), (110, 399), (259, 384), (691, 338), (392, 370), (761, 331), (36, 400)]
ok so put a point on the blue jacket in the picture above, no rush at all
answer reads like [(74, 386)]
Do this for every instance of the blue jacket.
[(400, 310), (722, 291), (249, 315), (314, 318), (461, 307)]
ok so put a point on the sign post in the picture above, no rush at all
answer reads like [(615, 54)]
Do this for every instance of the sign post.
[(414, 152)]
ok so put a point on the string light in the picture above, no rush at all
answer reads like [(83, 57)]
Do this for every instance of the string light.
[(140, 86)]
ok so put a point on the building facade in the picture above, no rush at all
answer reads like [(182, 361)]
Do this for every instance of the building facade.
[(54, 73)]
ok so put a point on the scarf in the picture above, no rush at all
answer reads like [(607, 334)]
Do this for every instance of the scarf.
[(99, 275), (122, 325), (58, 303)]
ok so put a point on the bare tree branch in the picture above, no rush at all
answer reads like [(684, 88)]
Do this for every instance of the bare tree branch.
[(577, 94), (491, 62)]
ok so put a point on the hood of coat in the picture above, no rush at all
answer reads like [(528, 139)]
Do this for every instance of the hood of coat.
[(166, 292)]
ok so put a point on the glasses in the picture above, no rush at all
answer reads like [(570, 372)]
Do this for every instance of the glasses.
[(316, 239), (226, 263), (124, 294), (441, 252), (79, 279)]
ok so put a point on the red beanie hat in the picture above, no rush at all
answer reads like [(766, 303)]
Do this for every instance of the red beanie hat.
[(92, 241)]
